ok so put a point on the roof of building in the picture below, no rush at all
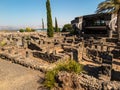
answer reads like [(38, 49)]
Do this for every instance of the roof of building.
[(95, 15)]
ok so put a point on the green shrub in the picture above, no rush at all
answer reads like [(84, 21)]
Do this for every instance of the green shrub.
[(27, 30), (3, 43), (70, 66), (50, 78), (22, 30)]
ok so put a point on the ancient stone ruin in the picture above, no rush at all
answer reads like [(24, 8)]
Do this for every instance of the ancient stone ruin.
[(100, 56)]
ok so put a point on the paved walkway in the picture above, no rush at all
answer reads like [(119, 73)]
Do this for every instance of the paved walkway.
[(16, 77)]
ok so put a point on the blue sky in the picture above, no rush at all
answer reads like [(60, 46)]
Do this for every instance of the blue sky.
[(30, 12)]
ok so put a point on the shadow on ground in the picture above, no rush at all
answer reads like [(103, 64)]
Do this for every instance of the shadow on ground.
[(41, 87), (92, 70)]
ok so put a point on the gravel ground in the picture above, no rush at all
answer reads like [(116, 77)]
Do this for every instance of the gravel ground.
[(16, 77)]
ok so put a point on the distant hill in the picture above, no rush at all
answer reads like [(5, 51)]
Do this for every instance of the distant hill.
[(8, 28), (18, 27)]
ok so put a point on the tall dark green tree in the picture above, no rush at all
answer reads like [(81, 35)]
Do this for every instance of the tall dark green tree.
[(56, 25), (50, 30), (43, 24)]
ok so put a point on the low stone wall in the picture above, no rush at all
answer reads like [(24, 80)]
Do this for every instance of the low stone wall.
[(23, 62), (47, 57), (112, 40), (116, 53), (33, 64), (33, 46)]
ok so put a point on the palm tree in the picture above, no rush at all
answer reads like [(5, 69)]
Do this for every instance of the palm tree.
[(113, 7)]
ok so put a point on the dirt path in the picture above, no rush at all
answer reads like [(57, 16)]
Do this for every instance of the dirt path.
[(16, 77)]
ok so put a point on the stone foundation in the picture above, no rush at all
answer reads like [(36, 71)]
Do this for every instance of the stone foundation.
[(45, 56)]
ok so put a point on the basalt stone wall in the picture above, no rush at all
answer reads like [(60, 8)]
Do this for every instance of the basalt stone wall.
[(35, 38), (70, 81), (45, 56), (33, 46), (112, 40), (33, 64), (116, 53), (22, 62), (75, 53), (115, 75)]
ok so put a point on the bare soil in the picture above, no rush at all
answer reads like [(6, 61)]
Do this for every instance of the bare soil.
[(16, 77)]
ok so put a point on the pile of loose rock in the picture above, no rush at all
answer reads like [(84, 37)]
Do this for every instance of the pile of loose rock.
[(71, 81)]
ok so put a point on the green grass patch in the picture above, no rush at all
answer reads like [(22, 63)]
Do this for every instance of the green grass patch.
[(70, 66)]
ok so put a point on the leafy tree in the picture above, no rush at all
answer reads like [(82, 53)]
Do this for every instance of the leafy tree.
[(28, 29), (67, 28), (42, 24), (22, 30), (56, 26), (111, 6), (50, 30)]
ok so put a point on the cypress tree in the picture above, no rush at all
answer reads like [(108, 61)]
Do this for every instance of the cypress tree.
[(42, 24), (56, 26), (50, 30)]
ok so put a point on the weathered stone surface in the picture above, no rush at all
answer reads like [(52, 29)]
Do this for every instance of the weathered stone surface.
[(84, 82), (32, 50), (46, 56)]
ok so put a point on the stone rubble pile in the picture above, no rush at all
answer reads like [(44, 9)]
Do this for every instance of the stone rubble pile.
[(71, 81)]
